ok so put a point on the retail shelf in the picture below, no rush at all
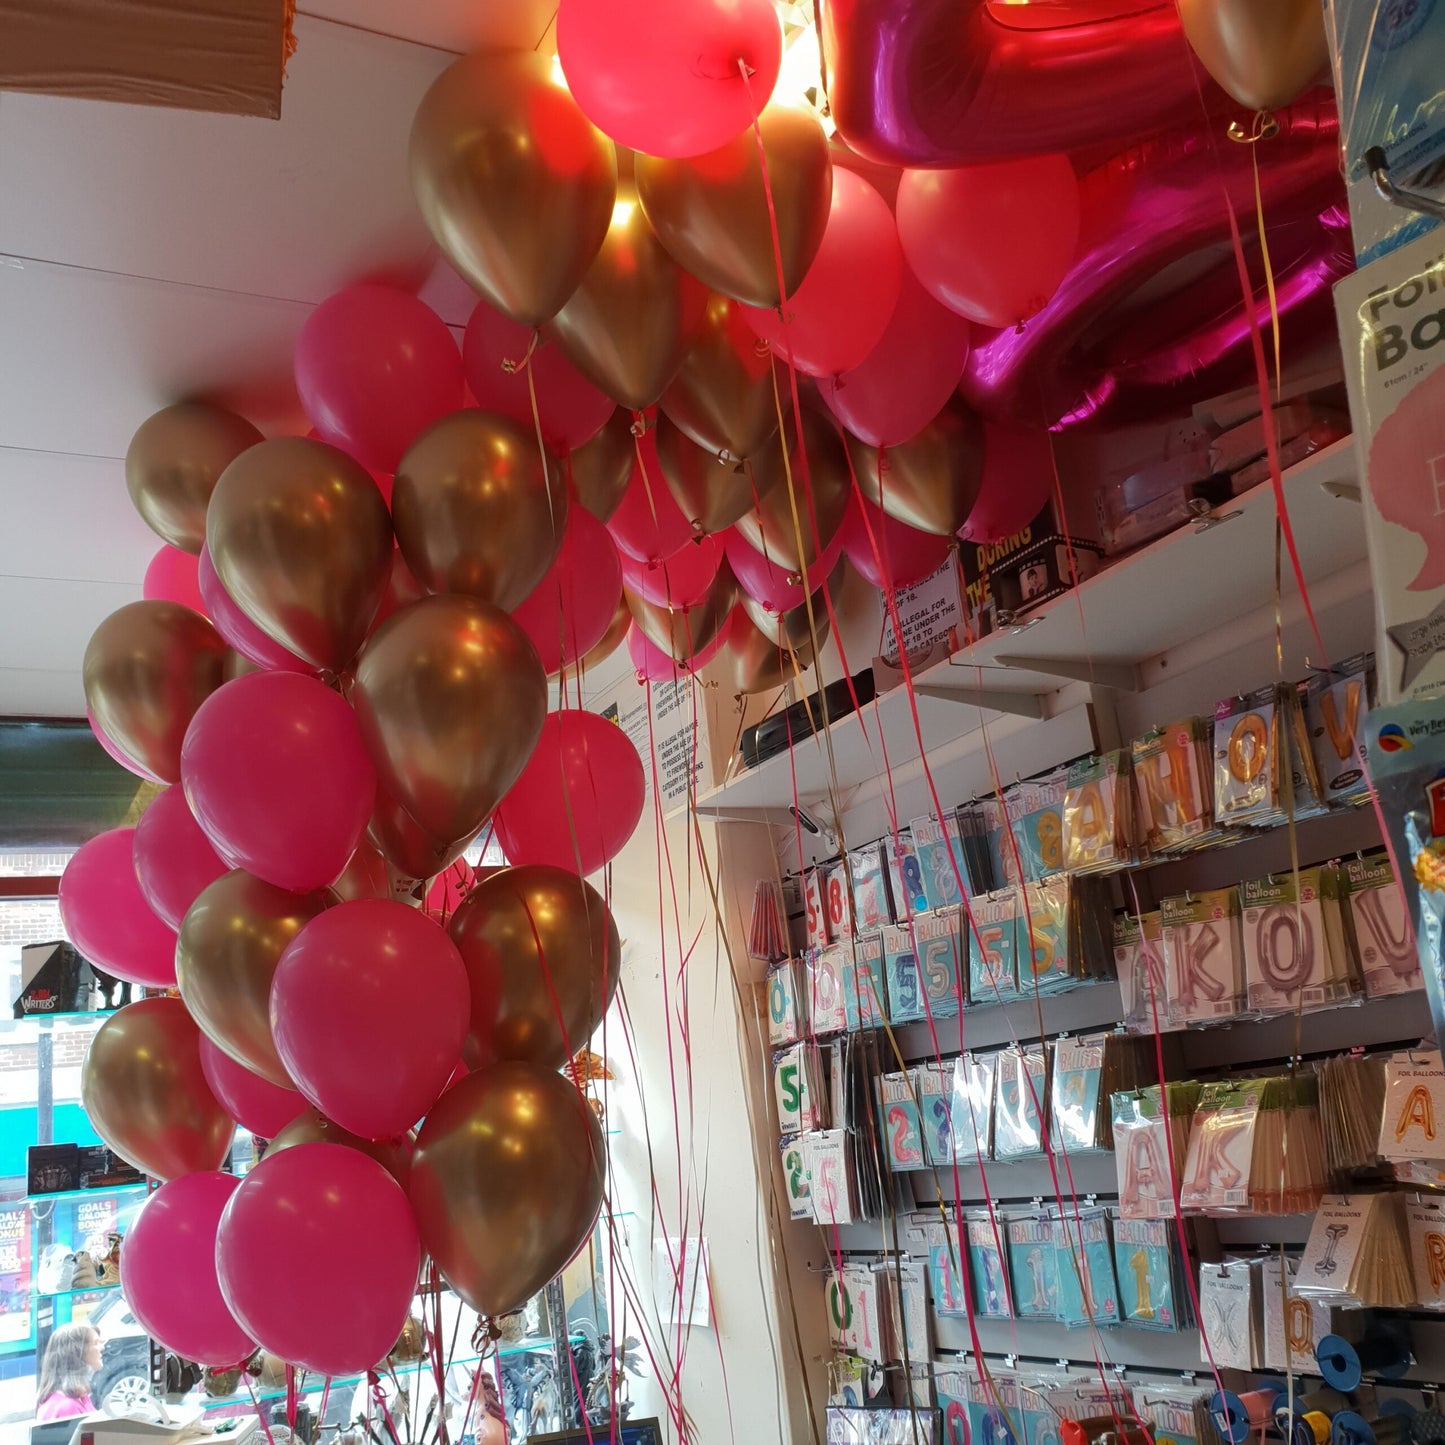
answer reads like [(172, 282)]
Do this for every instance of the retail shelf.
[(1132, 612), (95, 1192), (71, 1017)]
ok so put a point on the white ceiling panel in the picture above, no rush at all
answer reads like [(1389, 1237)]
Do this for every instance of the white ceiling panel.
[(71, 611), (458, 25), (28, 693)]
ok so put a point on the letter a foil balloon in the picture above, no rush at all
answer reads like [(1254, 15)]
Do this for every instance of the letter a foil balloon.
[(144, 1092), (506, 1182)]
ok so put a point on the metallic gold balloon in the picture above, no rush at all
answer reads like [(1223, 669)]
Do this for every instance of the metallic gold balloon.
[(144, 1093), (516, 185), (770, 526), (600, 469), (1263, 52), (147, 668), (762, 645), (930, 481), (405, 844), (301, 539), (711, 210), (506, 1182), (313, 1127), (173, 464), (722, 396), (365, 876), (542, 941), (682, 633), (475, 510), (631, 320), (612, 639), (710, 492), (751, 661), (451, 697), (226, 954)]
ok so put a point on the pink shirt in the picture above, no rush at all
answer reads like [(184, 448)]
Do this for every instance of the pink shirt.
[(60, 1406)]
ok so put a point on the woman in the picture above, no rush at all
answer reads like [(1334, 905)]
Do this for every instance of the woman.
[(71, 1358)]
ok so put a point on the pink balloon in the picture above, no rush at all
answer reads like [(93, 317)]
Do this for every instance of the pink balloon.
[(991, 242), (839, 313), (362, 982), (170, 1279), (375, 367), (174, 859), (106, 916), (115, 754), (171, 577), (237, 628), (654, 665), (665, 79), (571, 409), (579, 798), (908, 377), (887, 552), (253, 1102), (679, 580), (568, 612), (648, 524), (276, 774), (317, 1255), (1018, 478), (764, 581)]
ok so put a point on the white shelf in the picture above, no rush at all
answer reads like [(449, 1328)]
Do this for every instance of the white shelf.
[(1135, 610)]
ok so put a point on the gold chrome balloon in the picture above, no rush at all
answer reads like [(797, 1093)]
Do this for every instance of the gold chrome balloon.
[(405, 844), (515, 184), (226, 955), (771, 526), (712, 493), (144, 1093), (475, 510), (311, 1126), (301, 539), (506, 1182), (1265, 53), (600, 469), (930, 481), (147, 668), (173, 464), (683, 632), (364, 876)]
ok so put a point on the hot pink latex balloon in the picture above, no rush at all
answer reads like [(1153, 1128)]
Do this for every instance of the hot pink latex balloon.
[(839, 313), (278, 778), (991, 242), (1018, 478), (885, 551), (665, 79), (296, 1218), (174, 859), (375, 367), (253, 1102), (364, 981), (237, 628), (571, 409), (908, 377), (173, 1239), (652, 663), (764, 581), (579, 798), (648, 524), (568, 612), (679, 580), (170, 576), (106, 916), (115, 754)]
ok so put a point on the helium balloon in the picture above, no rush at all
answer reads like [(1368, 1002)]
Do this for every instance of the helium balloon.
[(405, 844), (841, 309), (681, 580), (779, 589), (1264, 55), (173, 858), (578, 800), (301, 539), (712, 212), (313, 1127), (648, 524), (991, 242), (888, 553), (757, 660), (514, 183), (238, 629), (147, 668), (292, 1219), (114, 753), (229, 946), (498, 353), (364, 981), (908, 377), (791, 525), (711, 492), (1017, 480), (256, 1104), (173, 463), (569, 610), (612, 639), (278, 778), (174, 1237), (107, 917), (451, 699), (144, 1093), (670, 81), (629, 323), (599, 470), (684, 634), (506, 1182), (652, 664), (170, 576), (477, 509), (930, 481), (365, 876)]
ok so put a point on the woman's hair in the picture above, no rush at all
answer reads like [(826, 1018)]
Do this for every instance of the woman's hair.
[(65, 1371)]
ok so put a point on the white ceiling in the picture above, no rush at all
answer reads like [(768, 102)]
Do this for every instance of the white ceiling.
[(150, 254)]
